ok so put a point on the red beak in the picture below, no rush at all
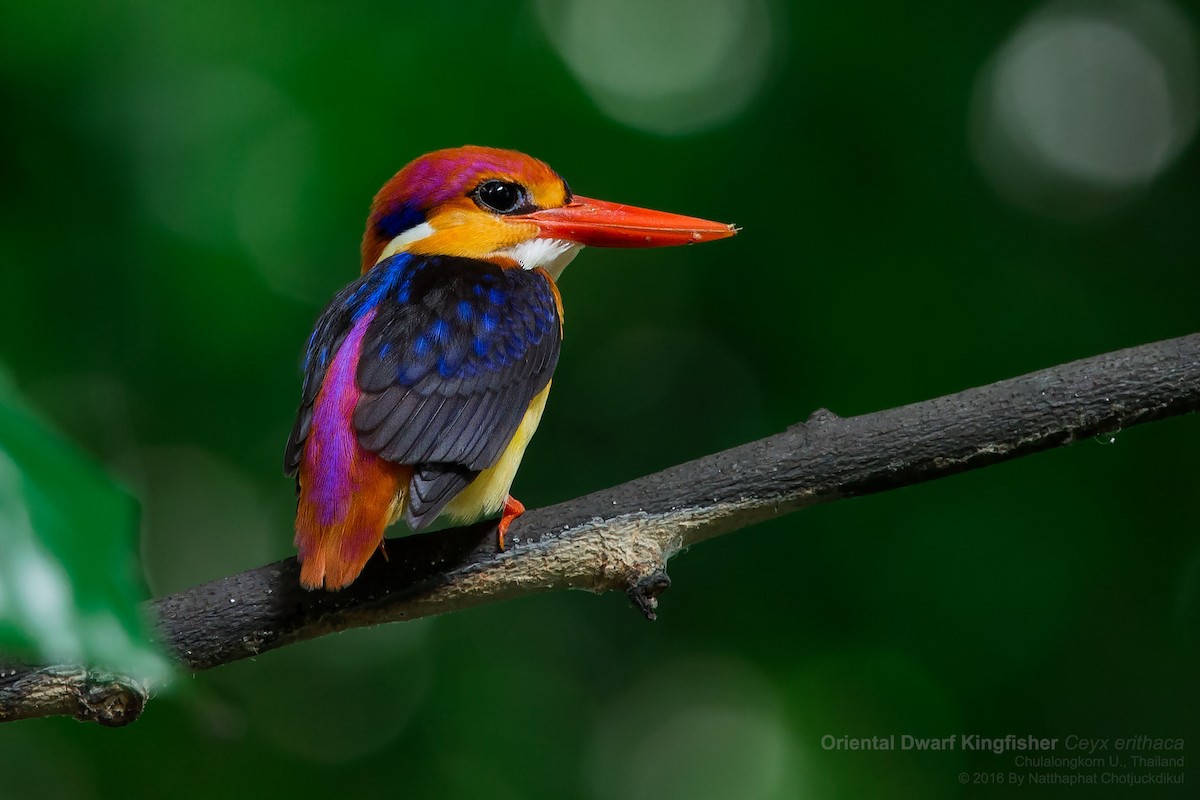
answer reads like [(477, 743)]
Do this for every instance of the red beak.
[(598, 223)]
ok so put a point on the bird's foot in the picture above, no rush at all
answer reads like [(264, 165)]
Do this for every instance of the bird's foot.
[(512, 509)]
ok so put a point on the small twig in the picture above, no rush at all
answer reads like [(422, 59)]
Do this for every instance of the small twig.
[(28, 692), (621, 538)]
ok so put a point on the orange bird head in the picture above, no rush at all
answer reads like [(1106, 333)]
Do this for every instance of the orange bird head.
[(505, 206)]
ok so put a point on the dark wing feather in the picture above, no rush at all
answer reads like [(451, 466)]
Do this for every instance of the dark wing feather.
[(431, 488), (449, 364)]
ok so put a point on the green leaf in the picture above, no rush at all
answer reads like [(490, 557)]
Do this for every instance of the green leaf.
[(70, 589)]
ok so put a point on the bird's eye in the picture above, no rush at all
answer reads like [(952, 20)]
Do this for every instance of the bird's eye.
[(500, 196)]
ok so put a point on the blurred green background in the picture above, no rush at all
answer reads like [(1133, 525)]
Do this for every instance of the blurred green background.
[(933, 196)]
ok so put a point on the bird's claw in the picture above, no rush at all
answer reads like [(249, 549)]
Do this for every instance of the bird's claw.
[(512, 509)]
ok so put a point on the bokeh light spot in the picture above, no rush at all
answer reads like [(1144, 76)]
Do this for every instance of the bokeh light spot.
[(673, 67), (228, 161), (695, 729), (1085, 104), (276, 179), (192, 133)]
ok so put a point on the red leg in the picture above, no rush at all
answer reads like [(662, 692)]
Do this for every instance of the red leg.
[(512, 510)]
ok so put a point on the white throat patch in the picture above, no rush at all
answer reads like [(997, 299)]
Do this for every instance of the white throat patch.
[(552, 255)]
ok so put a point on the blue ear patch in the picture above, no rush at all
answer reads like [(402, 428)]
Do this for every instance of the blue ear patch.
[(398, 220)]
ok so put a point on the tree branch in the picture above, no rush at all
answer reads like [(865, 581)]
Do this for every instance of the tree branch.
[(621, 538), (29, 692)]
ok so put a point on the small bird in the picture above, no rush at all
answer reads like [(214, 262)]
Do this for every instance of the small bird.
[(425, 378)]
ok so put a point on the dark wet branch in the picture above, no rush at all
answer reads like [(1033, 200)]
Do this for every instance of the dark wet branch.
[(621, 538)]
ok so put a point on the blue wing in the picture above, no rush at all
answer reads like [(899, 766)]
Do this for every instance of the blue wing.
[(456, 351)]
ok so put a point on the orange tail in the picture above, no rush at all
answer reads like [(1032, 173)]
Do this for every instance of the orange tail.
[(334, 547)]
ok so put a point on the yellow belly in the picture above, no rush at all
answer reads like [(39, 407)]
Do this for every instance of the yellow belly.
[(487, 493)]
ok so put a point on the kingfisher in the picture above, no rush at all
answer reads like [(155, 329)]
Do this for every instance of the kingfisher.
[(425, 378)]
